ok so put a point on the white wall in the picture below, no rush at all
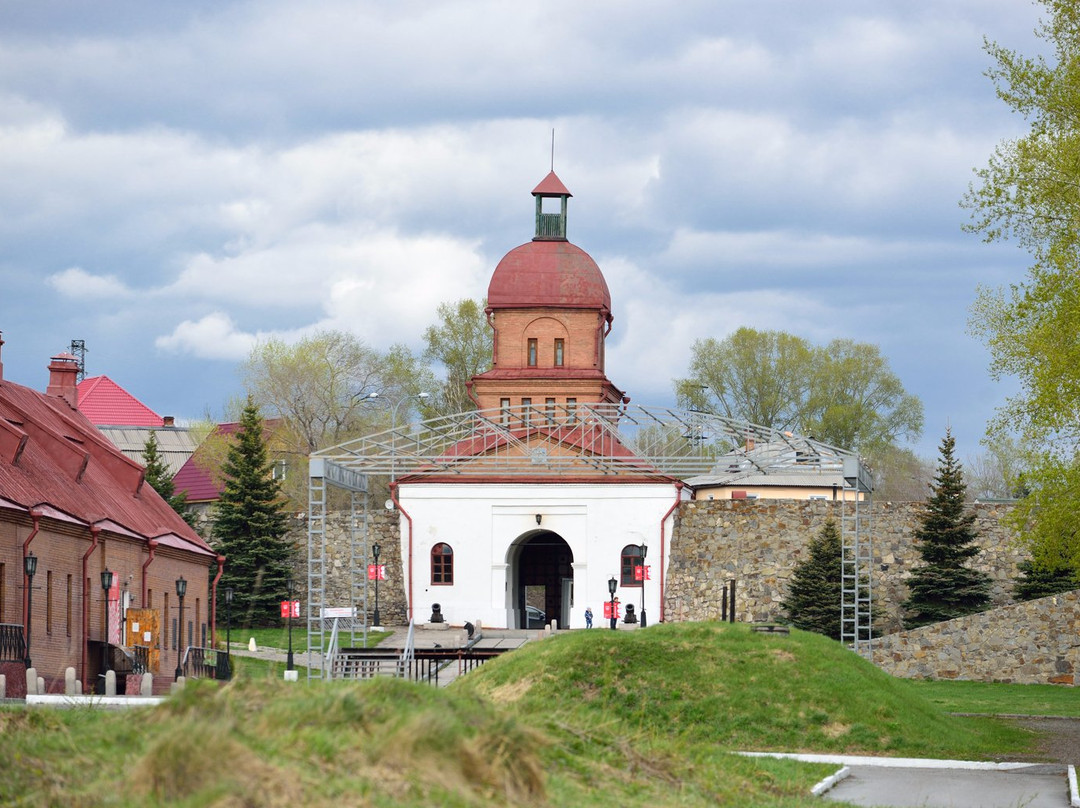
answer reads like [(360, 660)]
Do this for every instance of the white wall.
[(481, 522)]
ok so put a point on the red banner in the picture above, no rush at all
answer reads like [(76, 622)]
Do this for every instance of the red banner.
[(607, 610), (642, 574), (285, 608), (376, 571)]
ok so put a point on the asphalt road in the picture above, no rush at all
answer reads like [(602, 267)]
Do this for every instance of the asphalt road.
[(910, 782), (1032, 786)]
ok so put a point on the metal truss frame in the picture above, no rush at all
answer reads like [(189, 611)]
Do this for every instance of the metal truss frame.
[(590, 441)]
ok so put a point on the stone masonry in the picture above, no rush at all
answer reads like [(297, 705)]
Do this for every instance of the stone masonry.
[(1036, 642), (760, 542)]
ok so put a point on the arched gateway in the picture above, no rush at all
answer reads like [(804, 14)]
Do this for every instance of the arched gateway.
[(541, 567)]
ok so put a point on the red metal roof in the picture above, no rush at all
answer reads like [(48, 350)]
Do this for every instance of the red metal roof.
[(198, 477), (52, 457), (106, 403), (197, 480), (551, 186), (548, 273)]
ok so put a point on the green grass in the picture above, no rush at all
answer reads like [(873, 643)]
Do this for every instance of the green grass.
[(596, 718), (1000, 699), (278, 637)]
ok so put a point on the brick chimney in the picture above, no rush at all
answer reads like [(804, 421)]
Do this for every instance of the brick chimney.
[(63, 375)]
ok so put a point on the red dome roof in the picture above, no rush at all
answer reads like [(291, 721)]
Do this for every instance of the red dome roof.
[(548, 273)]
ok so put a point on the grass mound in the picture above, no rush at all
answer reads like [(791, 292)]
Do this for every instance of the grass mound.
[(632, 719), (724, 684)]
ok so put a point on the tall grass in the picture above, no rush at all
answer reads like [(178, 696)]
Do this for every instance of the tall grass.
[(634, 719)]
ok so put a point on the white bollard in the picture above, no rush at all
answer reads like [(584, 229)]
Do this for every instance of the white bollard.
[(252, 646), (41, 685), (70, 683), (3, 686), (292, 676), (146, 686), (110, 683), (31, 681)]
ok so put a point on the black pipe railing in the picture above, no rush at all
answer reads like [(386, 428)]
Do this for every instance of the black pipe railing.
[(140, 659), (201, 663), (12, 643)]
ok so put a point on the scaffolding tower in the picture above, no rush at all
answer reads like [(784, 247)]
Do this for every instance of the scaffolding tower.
[(857, 560), (322, 474)]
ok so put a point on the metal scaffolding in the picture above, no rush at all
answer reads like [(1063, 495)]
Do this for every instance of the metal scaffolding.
[(582, 442)]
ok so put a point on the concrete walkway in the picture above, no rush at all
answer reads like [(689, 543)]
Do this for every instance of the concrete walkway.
[(911, 782)]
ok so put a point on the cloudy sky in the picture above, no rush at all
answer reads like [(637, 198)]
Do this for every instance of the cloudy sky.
[(180, 180)]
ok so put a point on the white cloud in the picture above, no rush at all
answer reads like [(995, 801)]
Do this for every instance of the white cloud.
[(211, 337), (76, 282)]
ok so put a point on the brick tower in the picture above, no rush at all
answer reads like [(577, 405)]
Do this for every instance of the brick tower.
[(550, 309)]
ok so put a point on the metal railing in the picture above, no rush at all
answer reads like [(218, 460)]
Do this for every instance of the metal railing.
[(140, 659), (12, 643), (201, 663), (424, 665)]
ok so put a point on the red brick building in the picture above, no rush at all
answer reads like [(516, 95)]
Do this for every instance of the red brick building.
[(80, 507)]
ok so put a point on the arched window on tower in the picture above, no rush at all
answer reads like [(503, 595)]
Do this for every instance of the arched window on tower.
[(560, 350), (442, 564), (532, 352), (631, 562)]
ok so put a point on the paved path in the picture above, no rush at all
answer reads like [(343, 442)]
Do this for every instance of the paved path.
[(1032, 786), (909, 782)]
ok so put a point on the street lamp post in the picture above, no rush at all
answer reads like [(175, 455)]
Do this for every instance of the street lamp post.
[(393, 424), (644, 552), (289, 658), (106, 586), (181, 590), (376, 619), (226, 674), (393, 429), (30, 568), (612, 585)]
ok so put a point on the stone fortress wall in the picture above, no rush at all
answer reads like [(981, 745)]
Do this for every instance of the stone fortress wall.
[(758, 543)]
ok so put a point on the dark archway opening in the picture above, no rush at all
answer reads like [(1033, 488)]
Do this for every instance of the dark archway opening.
[(544, 580)]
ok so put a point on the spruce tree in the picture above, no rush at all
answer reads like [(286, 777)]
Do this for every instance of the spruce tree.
[(1038, 581), (158, 477), (249, 527), (943, 587), (813, 602)]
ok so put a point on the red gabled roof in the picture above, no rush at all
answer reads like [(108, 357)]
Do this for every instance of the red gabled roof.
[(106, 403), (52, 458), (196, 480)]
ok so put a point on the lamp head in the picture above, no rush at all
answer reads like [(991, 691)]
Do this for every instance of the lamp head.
[(228, 595), (644, 550), (612, 585), (106, 579), (30, 565), (539, 517), (181, 587), (375, 549)]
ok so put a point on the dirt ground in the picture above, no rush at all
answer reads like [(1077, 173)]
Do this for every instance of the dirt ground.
[(1058, 739)]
